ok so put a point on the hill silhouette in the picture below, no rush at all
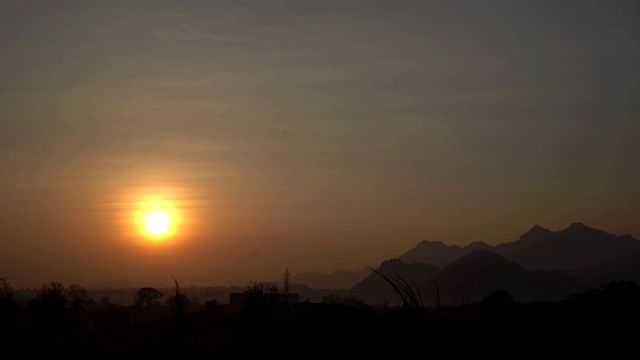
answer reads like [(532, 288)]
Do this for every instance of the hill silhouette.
[(467, 280), (540, 265), (375, 289), (577, 250), (588, 254), (481, 272)]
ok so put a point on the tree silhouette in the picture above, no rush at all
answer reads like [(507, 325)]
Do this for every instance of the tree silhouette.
[(260, 297), (78, 298), (9, 306), (148, 297), (48, 309), (611, 302)]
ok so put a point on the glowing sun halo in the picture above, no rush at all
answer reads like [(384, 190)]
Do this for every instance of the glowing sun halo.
[(157, 223)]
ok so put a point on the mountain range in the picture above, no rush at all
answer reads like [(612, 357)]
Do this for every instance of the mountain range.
[(540, 265)]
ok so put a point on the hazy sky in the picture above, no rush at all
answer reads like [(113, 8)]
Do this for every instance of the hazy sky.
[(308, 135)]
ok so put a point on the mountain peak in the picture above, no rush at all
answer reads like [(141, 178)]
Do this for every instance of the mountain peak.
[(536, 232), (478, 245), (433, 244), (536, 229), (580, 228), (577, 225), (432, 252)]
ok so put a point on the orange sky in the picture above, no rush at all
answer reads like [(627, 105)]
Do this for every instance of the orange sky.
[(309, 135)]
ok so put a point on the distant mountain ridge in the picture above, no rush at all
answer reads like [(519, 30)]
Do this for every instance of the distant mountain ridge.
[(586, 253), (540, 265)]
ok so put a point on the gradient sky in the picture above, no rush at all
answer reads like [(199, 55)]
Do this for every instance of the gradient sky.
[(308, 135)]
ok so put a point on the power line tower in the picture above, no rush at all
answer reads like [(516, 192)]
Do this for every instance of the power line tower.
[(286, 280)]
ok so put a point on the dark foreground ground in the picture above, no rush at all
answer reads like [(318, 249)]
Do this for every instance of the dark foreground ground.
[(602, 321)]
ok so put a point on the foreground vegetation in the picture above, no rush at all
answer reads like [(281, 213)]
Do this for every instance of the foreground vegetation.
[(66, 320)]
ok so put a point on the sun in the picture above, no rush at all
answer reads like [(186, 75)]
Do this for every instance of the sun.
[(157, 223)]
